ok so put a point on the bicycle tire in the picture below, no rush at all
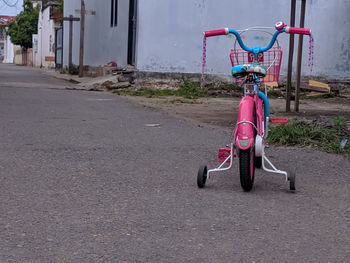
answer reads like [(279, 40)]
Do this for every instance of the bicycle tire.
[(246, 168)]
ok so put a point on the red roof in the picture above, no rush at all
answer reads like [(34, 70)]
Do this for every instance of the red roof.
[(5, 20)]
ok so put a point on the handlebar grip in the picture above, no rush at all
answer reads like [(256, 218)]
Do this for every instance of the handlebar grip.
[(297, 30), (216, 32)]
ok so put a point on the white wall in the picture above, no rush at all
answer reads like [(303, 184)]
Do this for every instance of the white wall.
[(18, 55), (35, 49), (170, 33), (2, 50), (46, 39), (9, 51), (103, 43)]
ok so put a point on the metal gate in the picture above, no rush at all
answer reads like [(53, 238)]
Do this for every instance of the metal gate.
[(59, 48)]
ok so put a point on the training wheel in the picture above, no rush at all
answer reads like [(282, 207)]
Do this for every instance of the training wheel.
[(202, 176), (291, 179)]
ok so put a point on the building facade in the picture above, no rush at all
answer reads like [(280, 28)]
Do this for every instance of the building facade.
[(170, 33), (106, 32), (167, 35), (44, 43), (6, 46)]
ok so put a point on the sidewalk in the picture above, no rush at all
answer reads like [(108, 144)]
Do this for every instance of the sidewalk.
[(85, 83)]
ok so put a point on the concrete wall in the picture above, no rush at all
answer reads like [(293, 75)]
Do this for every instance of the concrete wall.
[(170, 33), (2, 51), (23, 57), (36, 63), (2, 43), (18, 55), (9, 51), (103, 43), (46, 40)]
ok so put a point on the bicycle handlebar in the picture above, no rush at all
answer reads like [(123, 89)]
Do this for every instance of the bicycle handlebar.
[(297, 30), (280, 28), (216, 32)]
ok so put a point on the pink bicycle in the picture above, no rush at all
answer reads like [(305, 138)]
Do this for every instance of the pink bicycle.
[(252, 67)]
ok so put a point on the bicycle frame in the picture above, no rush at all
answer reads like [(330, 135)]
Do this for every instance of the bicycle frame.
[(251, 130), (253, 115)]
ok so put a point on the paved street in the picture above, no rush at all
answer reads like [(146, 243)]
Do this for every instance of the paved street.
[(83, 178)]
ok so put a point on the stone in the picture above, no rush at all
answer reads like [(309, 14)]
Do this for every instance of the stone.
[(119, 85), (107, 84), (123, 78)]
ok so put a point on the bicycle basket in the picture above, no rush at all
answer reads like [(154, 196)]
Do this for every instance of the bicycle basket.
[(270, 59)]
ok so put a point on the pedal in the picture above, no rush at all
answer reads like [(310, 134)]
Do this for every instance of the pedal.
[(224, 153), (279, 120)]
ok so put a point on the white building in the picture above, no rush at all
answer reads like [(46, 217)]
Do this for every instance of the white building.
[(44, 54), (168, 34), (6, 46), (106, 32), (9, 51)]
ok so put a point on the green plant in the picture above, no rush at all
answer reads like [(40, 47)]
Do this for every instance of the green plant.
[(228, 86), (191, 90), (60, 10), (275, 93), (74, 70), (304, 95), (25, 25), (145, 92), (339, 123), (311, 135), (60, 6)]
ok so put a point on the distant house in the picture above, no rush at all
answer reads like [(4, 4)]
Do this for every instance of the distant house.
[(44, 42), (166, 35), (6, 46)]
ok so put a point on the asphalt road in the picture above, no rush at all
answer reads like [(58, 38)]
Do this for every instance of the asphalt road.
[(83, 178)]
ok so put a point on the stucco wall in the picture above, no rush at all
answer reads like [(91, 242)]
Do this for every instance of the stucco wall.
[(18, 55), (103, 43), (170, 33), (46, 40), (9, 51)]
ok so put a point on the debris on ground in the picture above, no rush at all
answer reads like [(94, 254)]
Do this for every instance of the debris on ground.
[(112, 64), (318, 86)]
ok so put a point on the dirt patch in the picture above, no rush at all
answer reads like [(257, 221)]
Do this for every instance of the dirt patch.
[(223, 111)]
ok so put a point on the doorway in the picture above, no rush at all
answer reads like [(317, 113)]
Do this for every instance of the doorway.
[(132, 31), (59, 48)]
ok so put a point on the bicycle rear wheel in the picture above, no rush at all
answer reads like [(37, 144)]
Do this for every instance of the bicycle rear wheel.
[(247, 168)]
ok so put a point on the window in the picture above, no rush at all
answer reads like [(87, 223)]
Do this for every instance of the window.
[(114, 13)]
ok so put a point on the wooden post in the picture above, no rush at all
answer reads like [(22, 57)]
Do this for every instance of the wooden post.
[(290, 58), (70, 63), (71, 19), (82, 29), (300, 53)]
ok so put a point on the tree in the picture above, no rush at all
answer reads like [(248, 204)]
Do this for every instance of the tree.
[(25, 25), (60, 10), (60, 5)]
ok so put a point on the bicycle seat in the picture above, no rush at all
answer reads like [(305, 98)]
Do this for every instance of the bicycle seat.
[(241, 71)]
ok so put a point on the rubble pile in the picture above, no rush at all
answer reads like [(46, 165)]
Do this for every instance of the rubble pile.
[(129, 77), (124, 78)]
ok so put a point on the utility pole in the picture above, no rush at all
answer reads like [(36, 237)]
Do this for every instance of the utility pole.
[(82, 13), (299, 59), (290, 58), (70, 19), (82, 29)]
